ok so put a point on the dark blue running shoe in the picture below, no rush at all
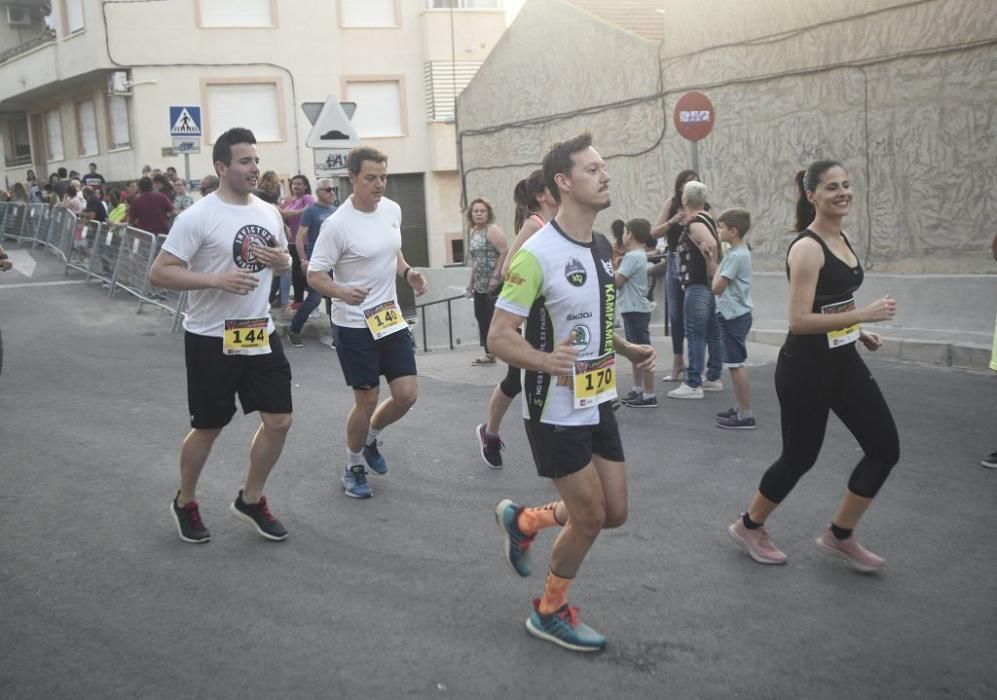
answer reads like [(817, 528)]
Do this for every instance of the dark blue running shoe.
[(374, 458), (355, 482)]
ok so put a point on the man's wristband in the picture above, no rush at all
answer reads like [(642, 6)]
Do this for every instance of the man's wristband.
[(405, 274)]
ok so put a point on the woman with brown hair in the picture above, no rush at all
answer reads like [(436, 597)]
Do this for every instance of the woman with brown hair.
[(487, 250), (820, 370)]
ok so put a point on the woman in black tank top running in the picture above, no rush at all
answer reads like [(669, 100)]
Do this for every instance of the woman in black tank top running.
[(819, 370)]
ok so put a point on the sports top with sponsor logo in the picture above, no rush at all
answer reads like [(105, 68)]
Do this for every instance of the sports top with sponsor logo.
[(560, 285), (837, 283), (361, 250), (213, 236)]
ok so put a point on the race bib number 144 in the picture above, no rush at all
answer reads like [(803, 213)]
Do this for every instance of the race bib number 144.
[(246, 336)]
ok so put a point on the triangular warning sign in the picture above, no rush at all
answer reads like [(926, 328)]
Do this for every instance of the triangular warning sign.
[(332, 128), (185, 125)]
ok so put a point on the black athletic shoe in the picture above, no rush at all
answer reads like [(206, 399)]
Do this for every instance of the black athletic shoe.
[(188, 520), (258, 515), (641, 402), (729, 413), (294, 339), (491, 447)]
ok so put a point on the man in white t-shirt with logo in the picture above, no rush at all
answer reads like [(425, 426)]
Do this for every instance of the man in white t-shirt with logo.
[(361, 244), (225, 250)]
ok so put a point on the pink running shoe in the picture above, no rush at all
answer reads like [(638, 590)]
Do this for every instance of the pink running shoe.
[(756, 543), (851, 551)]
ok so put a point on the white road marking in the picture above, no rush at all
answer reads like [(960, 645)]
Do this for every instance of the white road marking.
[(40, 284), (23, 262)]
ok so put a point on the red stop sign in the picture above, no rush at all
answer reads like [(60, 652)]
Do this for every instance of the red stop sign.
[(694, 116)]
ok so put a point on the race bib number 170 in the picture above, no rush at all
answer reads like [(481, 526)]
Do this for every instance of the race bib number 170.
[(595, 381)]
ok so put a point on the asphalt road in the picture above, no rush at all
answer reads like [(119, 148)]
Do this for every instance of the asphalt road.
[(407, 595)]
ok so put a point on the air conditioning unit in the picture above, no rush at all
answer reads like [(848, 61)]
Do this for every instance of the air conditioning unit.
[(118, 83), (18, 16)]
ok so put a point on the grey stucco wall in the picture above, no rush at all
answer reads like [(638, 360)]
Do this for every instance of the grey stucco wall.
[(903, 94), (557, 60)]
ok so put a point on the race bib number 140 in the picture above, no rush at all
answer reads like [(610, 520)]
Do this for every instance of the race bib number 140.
[(384, 319)]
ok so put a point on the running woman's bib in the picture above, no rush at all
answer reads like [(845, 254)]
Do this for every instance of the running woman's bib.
[(246, 336), (842, 336), (384, 319)]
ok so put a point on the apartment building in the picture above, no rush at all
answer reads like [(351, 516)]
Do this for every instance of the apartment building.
[(86, 81)]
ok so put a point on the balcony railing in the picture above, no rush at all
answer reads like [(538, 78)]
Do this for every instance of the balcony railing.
[(45, 37)]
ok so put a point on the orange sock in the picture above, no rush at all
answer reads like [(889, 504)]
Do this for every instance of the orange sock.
[(532, 520), (555, 593)]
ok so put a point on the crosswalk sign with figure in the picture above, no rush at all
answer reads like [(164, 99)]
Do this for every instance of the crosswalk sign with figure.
[(185, 121)]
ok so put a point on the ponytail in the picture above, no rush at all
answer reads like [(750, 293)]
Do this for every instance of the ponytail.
[(805, 212), (519, 198), (617, 228), (525, 194)]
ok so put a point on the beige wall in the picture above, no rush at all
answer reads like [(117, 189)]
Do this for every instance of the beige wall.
[(307, 53)]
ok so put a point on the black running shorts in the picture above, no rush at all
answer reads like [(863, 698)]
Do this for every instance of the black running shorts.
[(561, 450), (364, 359), (262, 382)]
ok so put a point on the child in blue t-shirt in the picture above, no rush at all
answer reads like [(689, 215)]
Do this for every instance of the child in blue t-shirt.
[(732, 284), (635, 308)]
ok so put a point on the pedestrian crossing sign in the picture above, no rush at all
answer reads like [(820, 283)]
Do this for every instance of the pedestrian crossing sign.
[(185, 120)]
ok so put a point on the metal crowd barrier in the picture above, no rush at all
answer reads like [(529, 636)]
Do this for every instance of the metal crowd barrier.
[(119, 256)]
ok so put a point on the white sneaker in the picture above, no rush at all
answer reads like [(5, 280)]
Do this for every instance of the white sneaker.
[(715, 385), (686, 392)]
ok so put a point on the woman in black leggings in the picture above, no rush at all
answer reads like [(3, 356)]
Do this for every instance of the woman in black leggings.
[(534, 207), (820, 370)]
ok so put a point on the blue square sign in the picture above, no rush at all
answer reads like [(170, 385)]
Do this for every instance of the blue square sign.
[(185, 120)]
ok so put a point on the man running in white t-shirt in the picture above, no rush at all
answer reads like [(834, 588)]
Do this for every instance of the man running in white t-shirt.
[(225, 250), (361, 244)]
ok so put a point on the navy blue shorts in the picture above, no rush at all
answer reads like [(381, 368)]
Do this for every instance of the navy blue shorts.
[(637, 326), (364, 359), (735, 332)]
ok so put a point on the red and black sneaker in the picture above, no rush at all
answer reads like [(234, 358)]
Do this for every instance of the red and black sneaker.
[(188, 520), (491, 447), (258, 515)]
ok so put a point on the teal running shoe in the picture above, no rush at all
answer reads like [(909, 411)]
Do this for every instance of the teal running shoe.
[(355, 482), (515, 544), (374, 458), (564, 629)]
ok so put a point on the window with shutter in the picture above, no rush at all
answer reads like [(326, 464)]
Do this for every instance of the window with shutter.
[(254, 106), (53, 135), (86, 127)]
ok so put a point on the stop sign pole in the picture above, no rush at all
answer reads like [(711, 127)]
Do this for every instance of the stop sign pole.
[(694, 117)]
